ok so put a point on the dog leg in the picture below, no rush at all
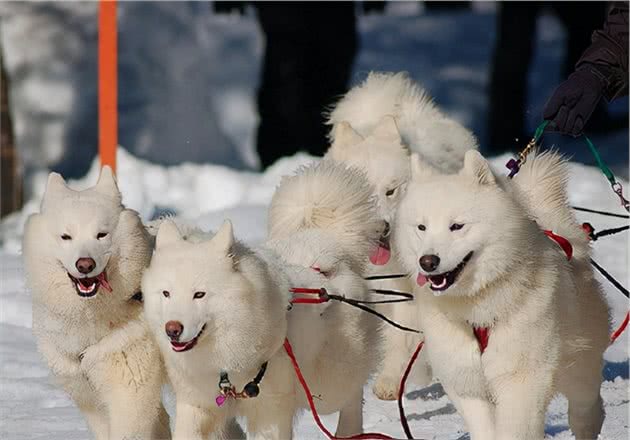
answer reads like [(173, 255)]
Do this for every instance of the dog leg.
[(351, 416), (586, 409), (97, 421), (477, 412), (194, 423), (232, 431), (399, 346), (521, 406), (271, 421)]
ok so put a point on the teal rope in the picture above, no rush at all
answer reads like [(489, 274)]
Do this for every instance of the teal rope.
[(600, 163)]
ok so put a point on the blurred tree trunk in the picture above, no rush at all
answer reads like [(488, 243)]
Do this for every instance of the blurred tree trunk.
[(11, 182)]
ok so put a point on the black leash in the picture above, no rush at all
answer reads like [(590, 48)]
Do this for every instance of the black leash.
[(610, 278), (594, 211)]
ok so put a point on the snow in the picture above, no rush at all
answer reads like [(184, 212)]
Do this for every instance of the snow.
[(48, 48)]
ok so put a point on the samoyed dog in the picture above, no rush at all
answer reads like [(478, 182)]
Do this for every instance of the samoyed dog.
[(84, 254), (219, 310), (509, 321), (375, 127)]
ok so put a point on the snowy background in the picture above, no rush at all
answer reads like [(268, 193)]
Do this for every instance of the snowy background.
[(189, 98)]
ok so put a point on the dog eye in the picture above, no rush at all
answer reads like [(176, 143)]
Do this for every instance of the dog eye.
[(166, 293), (422, 228), (456, 226), (66, 237), (198, 295), (390, 192), (101, 235)]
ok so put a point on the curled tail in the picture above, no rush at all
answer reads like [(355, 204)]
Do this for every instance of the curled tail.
[(438, 139), (327, 196), (543, 179)]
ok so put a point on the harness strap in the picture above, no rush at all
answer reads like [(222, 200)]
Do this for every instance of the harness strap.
[(482, 334), (562, 242)]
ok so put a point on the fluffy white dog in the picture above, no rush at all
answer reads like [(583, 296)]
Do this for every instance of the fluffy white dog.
[(508, 320), (84, 254), (219, 310), (375, 127)]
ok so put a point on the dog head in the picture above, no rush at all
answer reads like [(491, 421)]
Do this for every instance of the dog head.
[(384, 159), (213, 292), (78, 233), (458, 233)]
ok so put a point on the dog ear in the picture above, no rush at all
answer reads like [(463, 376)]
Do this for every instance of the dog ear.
[(419, 169), (55, 187), (106, 183), (168, 233), (345, 136), (477, 167), (386, 129), (223, 240)]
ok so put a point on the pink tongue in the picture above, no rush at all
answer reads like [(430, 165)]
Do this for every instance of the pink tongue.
[(380, 256), (103, 281), (421, 280)]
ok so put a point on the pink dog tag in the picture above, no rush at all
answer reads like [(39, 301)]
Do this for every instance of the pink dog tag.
[(220, 399)]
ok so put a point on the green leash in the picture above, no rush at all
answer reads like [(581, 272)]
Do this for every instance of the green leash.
[(514, 165)]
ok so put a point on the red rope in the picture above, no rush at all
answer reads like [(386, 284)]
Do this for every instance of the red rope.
[(309, 300), (311, 403), (621, 328), (401, 391), (305, 290)]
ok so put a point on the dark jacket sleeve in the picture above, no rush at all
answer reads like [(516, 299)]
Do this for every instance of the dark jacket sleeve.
[(607, 56)]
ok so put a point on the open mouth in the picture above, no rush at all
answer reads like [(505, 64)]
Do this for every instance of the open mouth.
[(443, 281), (88, 287), (380, 256), (185, 346)]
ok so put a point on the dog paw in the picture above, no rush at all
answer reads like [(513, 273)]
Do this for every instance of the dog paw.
[(386, 387)]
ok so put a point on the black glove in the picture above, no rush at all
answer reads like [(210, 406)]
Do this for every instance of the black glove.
[(574, 101)]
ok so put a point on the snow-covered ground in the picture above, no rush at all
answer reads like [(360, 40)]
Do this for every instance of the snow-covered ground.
[(448, 53), (33, 408)]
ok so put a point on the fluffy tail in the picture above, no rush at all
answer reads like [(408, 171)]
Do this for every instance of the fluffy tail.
[(327, 196), (438, 139), (543, 179)]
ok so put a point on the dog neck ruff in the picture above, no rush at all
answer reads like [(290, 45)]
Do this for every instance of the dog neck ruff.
[(228, 390)]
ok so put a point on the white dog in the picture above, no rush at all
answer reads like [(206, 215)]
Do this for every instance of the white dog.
[(508, 320), (375, 126), (84, 254), (216, 306)]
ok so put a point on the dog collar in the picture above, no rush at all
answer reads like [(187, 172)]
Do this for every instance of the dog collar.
[(228, 390)]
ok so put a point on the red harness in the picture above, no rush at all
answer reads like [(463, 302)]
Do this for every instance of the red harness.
[(482, 334)]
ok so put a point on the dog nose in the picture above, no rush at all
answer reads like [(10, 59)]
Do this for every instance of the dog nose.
[(387, 230), (85, 265), (429, 262), (174, 329)]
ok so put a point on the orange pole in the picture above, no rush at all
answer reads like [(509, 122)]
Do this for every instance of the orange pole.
[(107, 83)]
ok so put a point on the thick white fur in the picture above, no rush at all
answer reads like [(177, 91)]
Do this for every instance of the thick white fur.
[(437, 138), (547, 317), (375, 126), (246, 318), (98, 349), (327, 196)]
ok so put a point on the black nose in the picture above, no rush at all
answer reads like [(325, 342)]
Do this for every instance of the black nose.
[(85, 265), (174, 329), (429, 262), (387, 230)]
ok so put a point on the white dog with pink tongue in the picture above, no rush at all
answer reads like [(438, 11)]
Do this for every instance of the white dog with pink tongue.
[(509, 319)]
